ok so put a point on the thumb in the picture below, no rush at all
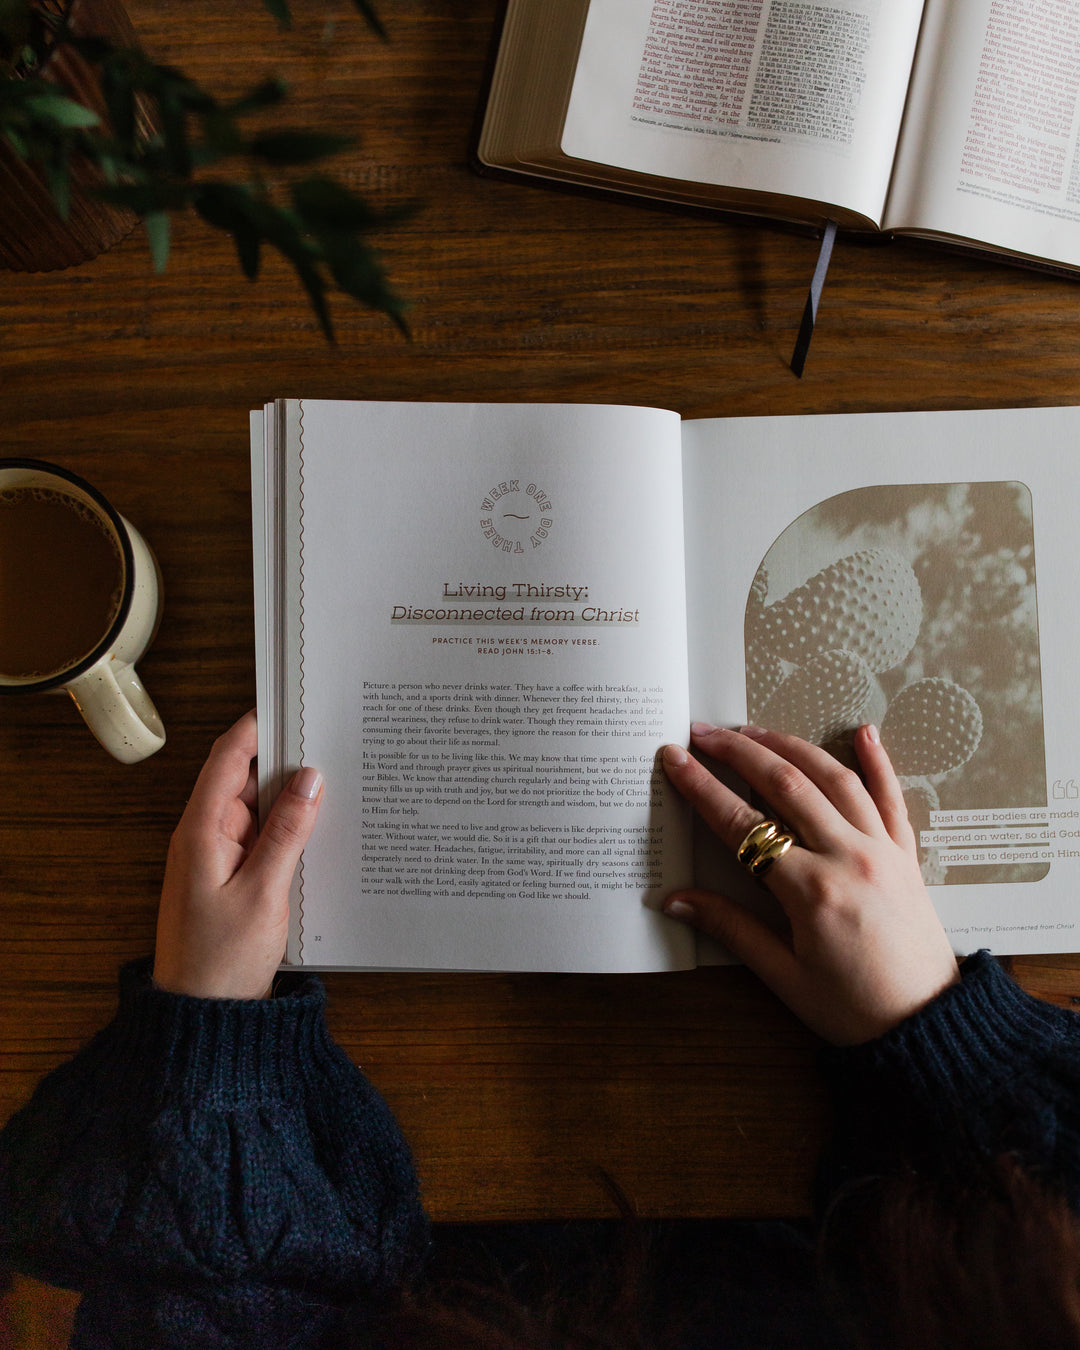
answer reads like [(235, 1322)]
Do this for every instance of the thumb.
[(286, 830), (746, 936)]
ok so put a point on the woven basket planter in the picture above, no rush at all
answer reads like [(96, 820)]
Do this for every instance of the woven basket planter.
[(33, 237)]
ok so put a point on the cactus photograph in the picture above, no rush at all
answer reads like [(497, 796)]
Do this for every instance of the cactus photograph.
[(913, 607)]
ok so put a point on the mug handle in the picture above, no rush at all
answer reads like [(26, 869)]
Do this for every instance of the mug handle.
[(118, 711)]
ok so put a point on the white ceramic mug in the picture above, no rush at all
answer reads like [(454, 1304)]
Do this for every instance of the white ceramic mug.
[(102, 681)]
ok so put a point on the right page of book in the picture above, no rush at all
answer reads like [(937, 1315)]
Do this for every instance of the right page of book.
[(779, 96), (990, 150), (917, 571)]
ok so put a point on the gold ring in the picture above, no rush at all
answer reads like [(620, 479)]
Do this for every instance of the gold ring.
[(762, 846), (758, 837)]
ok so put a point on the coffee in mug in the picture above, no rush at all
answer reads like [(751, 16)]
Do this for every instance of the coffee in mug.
[(79, 603), (62, 581)]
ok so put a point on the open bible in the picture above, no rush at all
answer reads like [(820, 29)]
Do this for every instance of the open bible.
[(481, 622), (950, 120)]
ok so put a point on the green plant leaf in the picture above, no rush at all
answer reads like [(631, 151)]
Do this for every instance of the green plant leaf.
[(325, 202), (145, 198), (296, 147), (248, 249), (157, 226), (268, 94), (358, 271), (58, 175), (232, 207), (108, 166), (227, 207), (63, 111), (174, 134), (221, 136), (280, 10), (17, 143), (168, 81), (213, 201), (284, 234), (119, 100), (316, 289), (154, 173), (374, 22)]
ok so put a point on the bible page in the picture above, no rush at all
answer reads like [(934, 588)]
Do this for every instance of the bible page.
[(776, 96), (916, 571), (487, 608), (990, 149)]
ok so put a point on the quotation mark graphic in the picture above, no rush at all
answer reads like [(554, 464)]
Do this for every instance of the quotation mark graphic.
[(1063, 790)]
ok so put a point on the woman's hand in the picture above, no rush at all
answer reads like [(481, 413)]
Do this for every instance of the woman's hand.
[(224, 913), (866, 948)]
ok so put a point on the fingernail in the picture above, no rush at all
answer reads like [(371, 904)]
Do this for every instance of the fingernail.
[(306, 783), (873, 734), (701, 728), (675, 755), (755, 733), (679, 909)]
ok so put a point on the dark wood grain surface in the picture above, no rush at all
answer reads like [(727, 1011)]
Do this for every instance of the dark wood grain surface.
[(697, 1092)]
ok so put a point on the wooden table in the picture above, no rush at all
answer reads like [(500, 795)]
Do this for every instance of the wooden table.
[(697, 1093)]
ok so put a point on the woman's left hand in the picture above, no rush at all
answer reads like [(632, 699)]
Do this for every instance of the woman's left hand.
[(866, 947)]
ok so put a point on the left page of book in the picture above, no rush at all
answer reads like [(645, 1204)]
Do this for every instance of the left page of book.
[(771, 96), (991, 145), (482, 621)]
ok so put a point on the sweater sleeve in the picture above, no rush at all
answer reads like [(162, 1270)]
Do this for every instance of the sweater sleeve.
[(216, 1171), (984, 1070)]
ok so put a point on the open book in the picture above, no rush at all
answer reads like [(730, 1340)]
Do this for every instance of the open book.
[(482, 621), (954, 120)]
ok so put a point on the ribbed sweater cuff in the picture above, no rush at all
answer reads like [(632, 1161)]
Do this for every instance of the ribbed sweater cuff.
[(226, 1051), (963, 1045)]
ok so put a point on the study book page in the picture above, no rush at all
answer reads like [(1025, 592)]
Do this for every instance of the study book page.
[(916, 570), (990, 149), (771, 95), (487, 606)]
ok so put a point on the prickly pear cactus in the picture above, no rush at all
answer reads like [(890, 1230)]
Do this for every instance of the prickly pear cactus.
[(868, 603), (920, 798), (931, 727), (759, 590), (764, 674), (842, 745), (820, 699), (812, 662)]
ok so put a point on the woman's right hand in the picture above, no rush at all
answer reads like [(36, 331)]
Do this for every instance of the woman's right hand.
[(224, 913), (866, 948)]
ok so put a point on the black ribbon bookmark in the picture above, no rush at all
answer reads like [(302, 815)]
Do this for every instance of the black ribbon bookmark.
[(817, 282)]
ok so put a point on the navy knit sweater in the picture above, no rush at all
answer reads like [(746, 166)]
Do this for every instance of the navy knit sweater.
[(218, 1174), (211, 1173)]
